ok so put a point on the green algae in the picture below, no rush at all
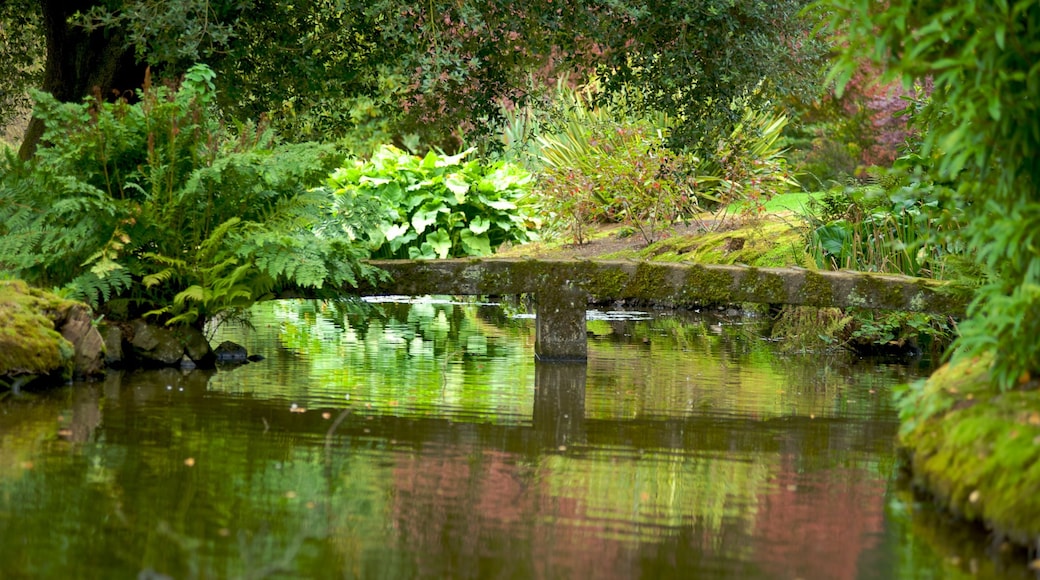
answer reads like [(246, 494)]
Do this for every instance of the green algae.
[(976, 449)]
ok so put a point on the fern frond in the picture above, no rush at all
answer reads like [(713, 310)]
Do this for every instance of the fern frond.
[(152, 280)]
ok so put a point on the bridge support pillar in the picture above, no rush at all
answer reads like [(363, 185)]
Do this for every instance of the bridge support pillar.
[(560, 325)]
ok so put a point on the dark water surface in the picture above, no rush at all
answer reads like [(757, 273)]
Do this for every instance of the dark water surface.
[(422, 440)]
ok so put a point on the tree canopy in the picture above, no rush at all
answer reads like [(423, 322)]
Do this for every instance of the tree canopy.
[(330, 68)]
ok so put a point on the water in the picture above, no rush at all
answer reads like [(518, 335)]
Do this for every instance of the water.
[(420, 439)]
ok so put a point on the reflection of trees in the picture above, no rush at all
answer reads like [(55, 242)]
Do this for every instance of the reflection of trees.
[(818, 524)]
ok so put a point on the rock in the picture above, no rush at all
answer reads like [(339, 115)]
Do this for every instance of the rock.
[(198, 350), (114, 341), (155, 345), (230, 352), (78, 328)]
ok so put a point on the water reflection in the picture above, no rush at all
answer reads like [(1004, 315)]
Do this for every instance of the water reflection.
[(422, 440)]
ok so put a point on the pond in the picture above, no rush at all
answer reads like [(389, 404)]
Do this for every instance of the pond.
[(419, 438)]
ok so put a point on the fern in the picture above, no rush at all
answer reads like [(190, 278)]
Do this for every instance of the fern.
[(154, 208), (95, 289)]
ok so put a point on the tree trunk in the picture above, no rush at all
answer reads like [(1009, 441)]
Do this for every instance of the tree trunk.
[(81, 63)]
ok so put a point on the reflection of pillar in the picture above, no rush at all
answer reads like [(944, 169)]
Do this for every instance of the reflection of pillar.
[(86, 413), (560, 324), (559, 402)]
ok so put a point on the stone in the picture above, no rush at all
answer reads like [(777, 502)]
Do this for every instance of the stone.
[(114, 340), (155, 345), (197, 348), (230, 352), (78, 328)]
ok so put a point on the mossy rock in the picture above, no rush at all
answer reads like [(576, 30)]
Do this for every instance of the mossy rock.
[(29, 344), (976, 449)]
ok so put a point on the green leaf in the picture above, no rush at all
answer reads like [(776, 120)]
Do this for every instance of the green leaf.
[(422, 219), (457, 185), (479, 225), (394, 231), (501, 204), (423, 252), (475, 245), (440, 242)]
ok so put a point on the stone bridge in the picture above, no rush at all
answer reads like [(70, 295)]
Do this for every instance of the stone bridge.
[(562, 289)]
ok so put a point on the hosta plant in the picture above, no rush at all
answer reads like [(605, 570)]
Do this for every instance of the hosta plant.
[(436, 206)]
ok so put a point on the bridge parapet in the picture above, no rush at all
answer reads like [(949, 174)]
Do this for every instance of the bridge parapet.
[(563, 288)]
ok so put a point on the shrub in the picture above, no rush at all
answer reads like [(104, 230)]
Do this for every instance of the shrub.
[(435, 206), (602, 164)]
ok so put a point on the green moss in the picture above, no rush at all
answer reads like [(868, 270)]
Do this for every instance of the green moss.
[(606, 282), (977, 450), (871, 290), (762, 287), (650, 282), (952, 299), (705, 286), (29, 344), (817, 291)]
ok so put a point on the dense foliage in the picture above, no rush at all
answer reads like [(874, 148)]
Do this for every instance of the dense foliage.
[(154, 207), (442, 70), (606, 161), (981, 130), (436, 206)]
